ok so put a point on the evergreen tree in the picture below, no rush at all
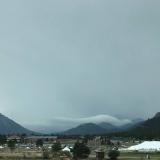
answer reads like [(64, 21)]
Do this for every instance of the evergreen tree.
[(11, 144), (80, 150), (56, 147), (3, 139), (39, 143)]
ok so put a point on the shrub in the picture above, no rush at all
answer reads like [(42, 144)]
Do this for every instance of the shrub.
[(113, 154)]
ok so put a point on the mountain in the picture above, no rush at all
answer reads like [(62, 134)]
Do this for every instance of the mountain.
[(108, 127), (100, 128), (86, 129), (157, 115), (133, 124), (112, 128), (137, 120), (8, 126), (149, 127)]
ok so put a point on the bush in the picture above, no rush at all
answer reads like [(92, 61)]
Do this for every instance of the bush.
[(113, 154)]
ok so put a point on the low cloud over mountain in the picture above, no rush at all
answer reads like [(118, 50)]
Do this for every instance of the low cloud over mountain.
[(60, 124), (95, 119), (63, 123)]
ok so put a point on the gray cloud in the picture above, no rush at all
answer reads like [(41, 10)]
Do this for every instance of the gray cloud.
[(79, 59)]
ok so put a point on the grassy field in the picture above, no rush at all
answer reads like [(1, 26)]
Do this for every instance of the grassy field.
[(34, 155), (140, 156), (133, 156)]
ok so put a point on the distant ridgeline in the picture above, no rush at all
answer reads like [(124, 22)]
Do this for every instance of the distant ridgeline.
[(141, 129), (149, 129), (100, 129)]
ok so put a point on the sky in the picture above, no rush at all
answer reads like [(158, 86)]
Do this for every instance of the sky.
[(63, 60)]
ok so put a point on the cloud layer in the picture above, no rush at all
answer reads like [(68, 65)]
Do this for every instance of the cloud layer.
[(79, 58), (95, 119)]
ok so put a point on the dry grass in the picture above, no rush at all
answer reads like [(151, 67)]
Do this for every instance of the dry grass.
[(33, 155)]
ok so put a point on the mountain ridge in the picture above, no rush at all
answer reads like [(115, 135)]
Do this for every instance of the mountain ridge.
[(100, 128), (149, 127), (8, 126)]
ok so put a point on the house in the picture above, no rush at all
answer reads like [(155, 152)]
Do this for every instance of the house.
[(33, 139), (14, 137)]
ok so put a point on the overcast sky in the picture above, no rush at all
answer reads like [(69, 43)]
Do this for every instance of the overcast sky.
[(79, 58)]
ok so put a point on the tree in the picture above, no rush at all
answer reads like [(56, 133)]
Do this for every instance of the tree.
[(45, 154), (22, 136), (118, 143), (39, 143), (85, 140), (108, 142), (11, 144), (56, 147), (80, 150), (3, 139), (113, 154)]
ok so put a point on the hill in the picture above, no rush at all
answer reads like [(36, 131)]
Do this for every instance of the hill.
[(86, 129), (8, 126)]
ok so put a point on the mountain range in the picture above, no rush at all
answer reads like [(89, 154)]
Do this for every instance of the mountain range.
[(137, 127), (100, 128)]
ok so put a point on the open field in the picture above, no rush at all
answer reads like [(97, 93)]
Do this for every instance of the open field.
[(30, 149), (38, 155), (138, 156), (132, 156)]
